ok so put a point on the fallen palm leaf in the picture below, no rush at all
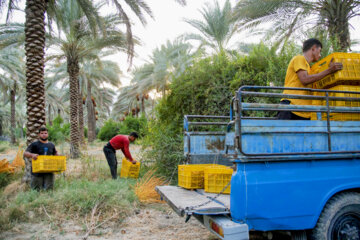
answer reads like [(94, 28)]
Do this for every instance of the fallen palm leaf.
[(145, 187), (18, 161), (5, 167)]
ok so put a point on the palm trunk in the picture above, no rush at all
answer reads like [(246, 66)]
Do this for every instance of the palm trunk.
[(338, 23), (73, 70), (342, 35), (81, 116), (13, 121), (35, 91), (143, 105), (90, 114), (49, 115)]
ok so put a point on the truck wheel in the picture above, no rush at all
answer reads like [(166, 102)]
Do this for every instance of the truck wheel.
[(340, 218)]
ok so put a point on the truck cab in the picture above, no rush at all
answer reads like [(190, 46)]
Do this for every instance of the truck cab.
[(293, 178)]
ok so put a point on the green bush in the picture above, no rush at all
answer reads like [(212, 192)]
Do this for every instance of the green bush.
[(109, 130), (132, 124), (164, 147), (59, 131)]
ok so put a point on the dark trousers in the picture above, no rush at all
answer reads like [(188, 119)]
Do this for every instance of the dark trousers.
[(42, 181), (287, 115), (110, 154)]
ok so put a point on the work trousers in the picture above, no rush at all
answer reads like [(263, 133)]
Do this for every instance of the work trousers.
[(110, 154), (42, 181), (287, 115)]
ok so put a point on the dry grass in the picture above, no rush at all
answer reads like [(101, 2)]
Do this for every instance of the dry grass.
[(145, 187), (14, 187)]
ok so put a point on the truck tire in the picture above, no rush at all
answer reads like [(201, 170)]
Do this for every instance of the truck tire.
[(340, 218)]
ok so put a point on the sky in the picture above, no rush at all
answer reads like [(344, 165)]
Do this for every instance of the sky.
[(169, 24)]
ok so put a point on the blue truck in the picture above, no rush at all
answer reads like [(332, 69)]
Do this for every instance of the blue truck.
[(292, 179)]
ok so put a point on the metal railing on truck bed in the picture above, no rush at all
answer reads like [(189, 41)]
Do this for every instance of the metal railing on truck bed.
[(289, 139), (204, 146)]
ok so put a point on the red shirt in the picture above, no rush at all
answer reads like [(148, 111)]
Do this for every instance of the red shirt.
[(121, 142)]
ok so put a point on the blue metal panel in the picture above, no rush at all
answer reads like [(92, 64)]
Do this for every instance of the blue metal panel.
[(288, 195), (275, 136), (207, 149)]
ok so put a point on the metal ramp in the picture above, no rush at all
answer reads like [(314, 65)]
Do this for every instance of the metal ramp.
[(187, 202)]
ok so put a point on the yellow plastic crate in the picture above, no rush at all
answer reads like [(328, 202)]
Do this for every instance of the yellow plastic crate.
[(349, 75), (129, 170), (339, 116), (216, 178), (48, 163), (191, 176)]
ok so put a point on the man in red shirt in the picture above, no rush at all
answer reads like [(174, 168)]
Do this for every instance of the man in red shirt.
[(118, 142)]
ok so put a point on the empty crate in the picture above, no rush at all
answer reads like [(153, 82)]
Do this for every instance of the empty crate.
[(216, 178), (192, 176)]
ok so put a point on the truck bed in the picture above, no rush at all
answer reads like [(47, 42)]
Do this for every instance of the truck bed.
[(186, 202)]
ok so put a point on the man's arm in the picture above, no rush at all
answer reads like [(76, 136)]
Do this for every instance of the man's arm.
[(127, 154), (306, 79), (31, 155)]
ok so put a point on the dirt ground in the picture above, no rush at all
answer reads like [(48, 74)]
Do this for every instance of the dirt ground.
[(149, 223), (155, 221)]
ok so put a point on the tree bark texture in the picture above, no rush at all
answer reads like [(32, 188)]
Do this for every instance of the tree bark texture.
[(81, 115), (73, 70), (13, 121), (336, 14), (143, 105), (49, 115), (35, 91), (90, 114)]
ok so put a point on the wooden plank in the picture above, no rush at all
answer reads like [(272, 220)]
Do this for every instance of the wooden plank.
[(182, 201)]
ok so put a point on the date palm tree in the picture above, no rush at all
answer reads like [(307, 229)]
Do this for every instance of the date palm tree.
[(216, 28), (77, 44), (12, 66), (94, 74), (287, 17)]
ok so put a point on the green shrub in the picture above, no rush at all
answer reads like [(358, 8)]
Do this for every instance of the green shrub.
[(166, 149), (109, 130), (59, 131), (132, 124)]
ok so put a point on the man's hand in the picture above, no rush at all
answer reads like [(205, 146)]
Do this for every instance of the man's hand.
[(34, 156), (335, 66), (133, 162)]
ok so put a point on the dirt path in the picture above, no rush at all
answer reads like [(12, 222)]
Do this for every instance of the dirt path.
[(149, 223)]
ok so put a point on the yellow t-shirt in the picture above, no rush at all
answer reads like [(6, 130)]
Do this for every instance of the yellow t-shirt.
[(292, 80)]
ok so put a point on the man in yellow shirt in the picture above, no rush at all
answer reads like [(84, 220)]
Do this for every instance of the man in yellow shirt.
[(298, 76)]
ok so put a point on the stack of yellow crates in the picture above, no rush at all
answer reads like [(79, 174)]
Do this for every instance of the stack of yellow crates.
[(347, 79), (212, 177)]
